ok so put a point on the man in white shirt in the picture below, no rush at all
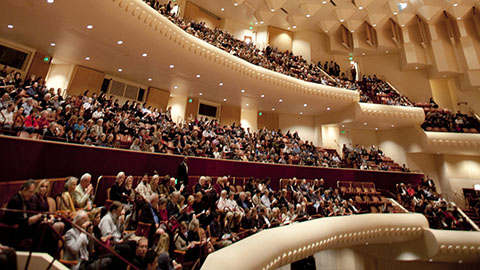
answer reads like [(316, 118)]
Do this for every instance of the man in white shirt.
[(76, 242), (83, 194), (265, 199), (144, 188), (112, 224)]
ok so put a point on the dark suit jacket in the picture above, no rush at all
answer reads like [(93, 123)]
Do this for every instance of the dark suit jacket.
[(182, 174)]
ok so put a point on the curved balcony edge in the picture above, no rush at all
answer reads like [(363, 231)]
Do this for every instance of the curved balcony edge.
[(283, 245)]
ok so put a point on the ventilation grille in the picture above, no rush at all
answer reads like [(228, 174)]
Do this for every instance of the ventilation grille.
[(131, 92), (117, 88), (124, 90)]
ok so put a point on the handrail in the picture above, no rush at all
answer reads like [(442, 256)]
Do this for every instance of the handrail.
[(467, 218), (132, 266), (397, 204), (398, 92)]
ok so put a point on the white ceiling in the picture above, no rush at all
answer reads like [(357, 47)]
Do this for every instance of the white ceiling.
[(327, 15)]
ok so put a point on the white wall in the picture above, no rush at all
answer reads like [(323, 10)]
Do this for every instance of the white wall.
[(248, 119), (304, 125), (178, 104), (59, 75), (238, 30), (331, 137)]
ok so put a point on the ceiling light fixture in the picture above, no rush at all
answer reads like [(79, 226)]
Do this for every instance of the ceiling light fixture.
[(247, 104), (324, 2), (221, 84), (243, 90), (294, 27), (172, 66), (149, 79), (455, 5), (395, 13), (365, 123), (374, 25), (120, 42), (280, 100), (235, 4), (272, 10), (342, 20), (360, 7), (261, 22), (120, 70), (225, 99), (262, 96), (392, 125), (50, 1), (89, 27), (416, 67), (52, 44), (200, 94), (301, 112), (144, 54), (328, 109), (273, 109), (175, 87), (222, 9), (376, 128), (87, 58), (363, 53), (198, 76), (305, 105), (288, 28), (10, 26), (308, 15)]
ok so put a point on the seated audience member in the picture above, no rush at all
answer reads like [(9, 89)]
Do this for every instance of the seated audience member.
[(140, 252), (155, 184), (182, 243), (217, 232), (164, 263), (42, 203), (8, 258), (76, 241), (65, 200), (117, 191), (129, 190), (143, 188), (25, 221), (242, 201), (83, 194), (112, 224)]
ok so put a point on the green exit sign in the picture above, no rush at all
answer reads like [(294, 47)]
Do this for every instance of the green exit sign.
[(343, 131), (260, 113), (46, 59), (190, 100)]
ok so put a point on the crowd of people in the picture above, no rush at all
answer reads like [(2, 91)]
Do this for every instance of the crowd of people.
[(438, 119), (371, 89), (423, 198), (195, 223), (32, 110)]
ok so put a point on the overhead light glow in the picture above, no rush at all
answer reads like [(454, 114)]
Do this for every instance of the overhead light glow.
[(225, 99), (120, 42), (221, 84), (280, 100), (273, 109), (120, 70), (235, 4), (272, 10), (328, 109), (200, 94), (10, 26), (365, 123), (243, 90), (401, 6), (360, 7), (262, 95), (87, 58), (305, 105), (222, 9), (247, 104), (198, 76), (455, 5), (175, 87), (50, 1), (149, 79), (144, 54), (301, 112), (308, 15), (171, 66), (89, 27), (294, 27), (52, 44)]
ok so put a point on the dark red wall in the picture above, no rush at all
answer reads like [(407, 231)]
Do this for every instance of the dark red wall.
[(23, 159)]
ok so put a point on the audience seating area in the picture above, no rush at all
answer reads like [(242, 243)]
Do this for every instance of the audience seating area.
[(444, 120)]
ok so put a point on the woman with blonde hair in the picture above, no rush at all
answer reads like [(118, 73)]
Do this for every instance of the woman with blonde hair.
[(65, 200), (41, 201)]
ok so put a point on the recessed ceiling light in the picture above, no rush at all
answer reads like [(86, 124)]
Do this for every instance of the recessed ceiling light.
[(120, 42), (262, 95), (10, 26), (360, 7), (87, 58), (52, 44), (374, 25), (301, 112), (455, 5), (416, 67), (272, 10), (387, 51), (328, 109), (288, 28), (261, 22), (198, 76), (431, 260), (149, 79), (363, 53), (308, 15), (392, 126), (89, 27), (460, 261), (200, 94), (342, 20), (225, 99), (175, 87), (395, 13), (353, 31), (280, 100), (273, 109), (459, 18), (221, 84), (256, 22), (305, 105), (294, 27), (50, 1), (144, 54), (171, 66), (120, 70), (365, 124), (243, 90), (235, 4), (326, 31), (247, 104), (222, 9), (376, 128), (343, 125), (403, 25), (324, 2)]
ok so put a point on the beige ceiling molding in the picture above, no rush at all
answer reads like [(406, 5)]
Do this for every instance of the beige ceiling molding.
[(176, 35)]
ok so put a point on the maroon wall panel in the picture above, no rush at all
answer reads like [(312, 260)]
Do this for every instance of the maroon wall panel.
[(23, 159)]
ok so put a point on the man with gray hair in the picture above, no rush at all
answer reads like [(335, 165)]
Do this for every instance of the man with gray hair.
[(83, 194), (76, 241)]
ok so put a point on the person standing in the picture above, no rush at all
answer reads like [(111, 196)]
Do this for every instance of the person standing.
[(182, 173)]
